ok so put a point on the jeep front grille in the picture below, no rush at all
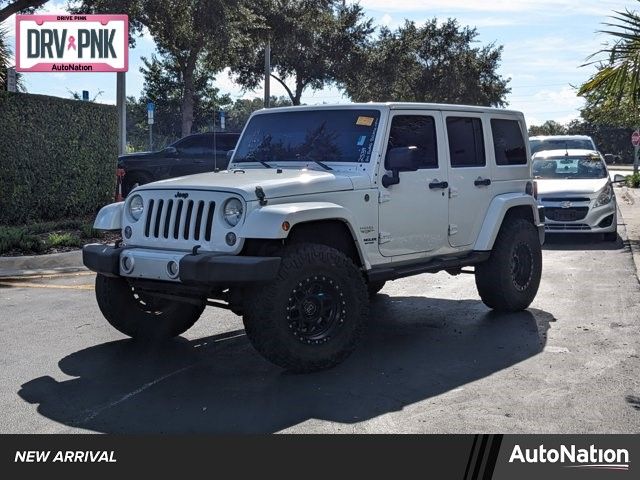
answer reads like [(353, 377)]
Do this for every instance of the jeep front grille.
[(179, 219)]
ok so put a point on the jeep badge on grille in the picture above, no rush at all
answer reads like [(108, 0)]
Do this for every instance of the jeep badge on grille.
[(181, 195)]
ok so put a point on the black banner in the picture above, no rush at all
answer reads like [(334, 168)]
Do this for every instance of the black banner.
[(465, 457)]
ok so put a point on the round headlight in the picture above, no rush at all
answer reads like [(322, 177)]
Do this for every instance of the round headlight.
[(232, 211), (136, 207)]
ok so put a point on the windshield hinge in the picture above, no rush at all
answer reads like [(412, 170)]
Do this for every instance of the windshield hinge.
[(383, 197), (262, 198), (384, 237)]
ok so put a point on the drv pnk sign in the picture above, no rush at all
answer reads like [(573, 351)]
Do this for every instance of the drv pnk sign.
[(72, 43)]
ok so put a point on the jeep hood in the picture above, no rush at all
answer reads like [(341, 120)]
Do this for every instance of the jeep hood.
[(288, 182), (559, 186)]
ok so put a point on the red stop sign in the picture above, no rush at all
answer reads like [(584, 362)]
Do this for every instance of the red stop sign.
[(635, 138)]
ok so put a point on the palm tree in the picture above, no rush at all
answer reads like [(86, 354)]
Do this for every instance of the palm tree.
[(4, 58), (6, 62), (618, 77)]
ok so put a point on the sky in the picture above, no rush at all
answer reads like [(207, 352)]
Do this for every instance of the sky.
[(545, 42)]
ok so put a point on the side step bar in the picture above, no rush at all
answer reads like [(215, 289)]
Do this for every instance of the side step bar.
[(385, 273)]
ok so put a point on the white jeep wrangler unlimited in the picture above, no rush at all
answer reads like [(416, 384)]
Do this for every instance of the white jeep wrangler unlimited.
[(320, 206)]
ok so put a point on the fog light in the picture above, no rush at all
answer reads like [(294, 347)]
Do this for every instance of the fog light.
[(127, 232), (127, 264), (230, 239), (173, 269)]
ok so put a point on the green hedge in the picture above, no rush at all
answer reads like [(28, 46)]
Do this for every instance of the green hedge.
[(57, 157)]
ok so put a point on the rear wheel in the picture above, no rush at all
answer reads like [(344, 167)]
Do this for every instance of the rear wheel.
[(311, 317), (142, 316), (509, 279)]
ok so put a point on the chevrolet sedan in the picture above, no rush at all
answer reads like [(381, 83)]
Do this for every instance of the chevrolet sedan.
[(576, 192)]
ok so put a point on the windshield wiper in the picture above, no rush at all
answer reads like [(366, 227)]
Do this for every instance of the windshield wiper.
[(252, 158), (323, 165)]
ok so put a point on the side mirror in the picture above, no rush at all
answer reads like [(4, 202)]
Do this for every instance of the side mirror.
[(170, 151), (401, 159), (617, 178), (230, 154)]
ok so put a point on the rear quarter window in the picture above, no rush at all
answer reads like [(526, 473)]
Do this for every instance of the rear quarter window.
[(508, 142)]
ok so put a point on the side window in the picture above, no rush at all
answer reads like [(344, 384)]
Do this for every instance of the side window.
[(185, 143), (508, 142), (196, 145), (416, 131), (466, 143)]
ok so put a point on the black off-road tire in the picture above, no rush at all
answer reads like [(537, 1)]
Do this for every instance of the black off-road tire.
[(285, 319), (508, 281), (375, 287), (143, 317), (610, 236)]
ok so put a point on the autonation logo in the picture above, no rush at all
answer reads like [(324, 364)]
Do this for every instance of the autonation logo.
[(573, 457)]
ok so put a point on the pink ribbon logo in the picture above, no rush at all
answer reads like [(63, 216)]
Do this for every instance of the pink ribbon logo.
[(72, 43)]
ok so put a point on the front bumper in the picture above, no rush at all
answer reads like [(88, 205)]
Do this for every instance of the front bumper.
[(601, 219), (199, 269)]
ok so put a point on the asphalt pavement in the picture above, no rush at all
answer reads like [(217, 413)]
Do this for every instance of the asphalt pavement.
[(434, 359)]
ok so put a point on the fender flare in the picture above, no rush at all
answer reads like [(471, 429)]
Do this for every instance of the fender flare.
[(496, 212), (266, 222), (109, 217)]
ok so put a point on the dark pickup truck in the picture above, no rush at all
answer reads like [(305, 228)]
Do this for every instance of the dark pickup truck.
[(198, 153)]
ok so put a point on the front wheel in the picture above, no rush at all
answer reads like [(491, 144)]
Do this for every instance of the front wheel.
[(142, 316), (509, 280), (311, 317)]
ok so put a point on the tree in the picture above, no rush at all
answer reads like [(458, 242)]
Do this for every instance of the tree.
[(618, 76), (550, 127), (163, 86), (435, 62), (186, 32), (5, 57), (615, 87), (18, 6), (611, 111), (312, 43), (78, 96), (238, 113)]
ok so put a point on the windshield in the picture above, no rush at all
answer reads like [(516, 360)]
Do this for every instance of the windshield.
[(569, 167), (309, 135), (561, 144)]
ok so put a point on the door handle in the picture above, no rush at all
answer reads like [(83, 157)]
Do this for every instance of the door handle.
[(482, 182), (435, 184), (198, 161)]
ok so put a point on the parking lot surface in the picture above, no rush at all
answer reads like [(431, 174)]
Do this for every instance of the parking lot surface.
[(434, 359)]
